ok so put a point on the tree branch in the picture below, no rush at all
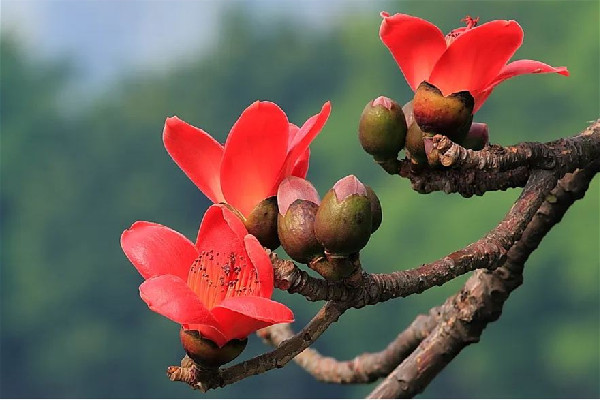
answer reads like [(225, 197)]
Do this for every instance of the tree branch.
[(465, 315), (488, 252), (287, 350), (495, 167), (365, 368)]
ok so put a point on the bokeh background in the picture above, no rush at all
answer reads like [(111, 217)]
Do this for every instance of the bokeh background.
[(86, 87)]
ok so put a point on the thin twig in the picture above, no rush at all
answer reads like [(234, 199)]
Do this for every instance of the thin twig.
[(365, 368)]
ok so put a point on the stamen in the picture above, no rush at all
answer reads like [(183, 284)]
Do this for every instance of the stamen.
[(455, 33), (216, 276), (470, 21)]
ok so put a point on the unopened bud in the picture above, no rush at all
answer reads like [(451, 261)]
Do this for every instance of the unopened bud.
[(297, 231), (262, 223), (415, 145), (382, 129), (298, 202), (343, 222), (445, 115), (477, 137), (376, 213), (206, 352)]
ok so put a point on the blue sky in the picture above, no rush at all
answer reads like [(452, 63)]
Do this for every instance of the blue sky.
[(105, 38)]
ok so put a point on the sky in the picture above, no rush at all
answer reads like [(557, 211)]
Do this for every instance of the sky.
[(104, 38)]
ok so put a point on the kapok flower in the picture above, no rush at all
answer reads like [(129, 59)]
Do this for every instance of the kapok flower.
[(472, 58), (220, 286), (262, 148)]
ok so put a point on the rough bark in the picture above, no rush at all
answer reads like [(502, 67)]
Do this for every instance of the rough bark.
[(465, 315)]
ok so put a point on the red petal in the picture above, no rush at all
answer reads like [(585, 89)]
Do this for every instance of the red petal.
[(229, 217), (476, 57), (293, 188), (170, 296), (292, 133), (302, 140), (416, 45), (516, 68), (222, 267), (301, 167), (197, 154), (254, 154), (347, 186), (209, 332), (262, 263), (240, 316), (157, 250)]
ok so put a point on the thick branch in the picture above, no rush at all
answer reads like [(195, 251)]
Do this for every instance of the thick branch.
[(496, 167), (277, 358), (466, 183), (466, 314), (562, 155), (488, 252)]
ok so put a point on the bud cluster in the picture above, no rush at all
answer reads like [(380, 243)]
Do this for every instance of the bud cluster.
[(385, 128), (327, 234)]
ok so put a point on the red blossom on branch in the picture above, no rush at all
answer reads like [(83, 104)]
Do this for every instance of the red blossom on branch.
[(220, 286), (262, 148), (472, 58)]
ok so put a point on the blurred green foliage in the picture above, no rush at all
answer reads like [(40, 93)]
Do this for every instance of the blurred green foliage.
[(72, 180)]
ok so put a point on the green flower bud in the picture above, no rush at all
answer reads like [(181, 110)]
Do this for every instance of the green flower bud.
[(445, 115), (376, 213), (477, 137), (206, 352), (298, 202), (296, 231), (343, 222), (382, 129), (262, 223), (414, 144)]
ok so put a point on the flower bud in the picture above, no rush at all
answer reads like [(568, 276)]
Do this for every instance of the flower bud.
[(382, 129), (262, 223), (298, 202), (343, 222), (445, 115), (206, 352), (376, 213), (296, 231), (415, 145), (477, 137)]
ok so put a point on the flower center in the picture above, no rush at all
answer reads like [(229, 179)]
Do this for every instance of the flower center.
[(469, 21), (215, 276)]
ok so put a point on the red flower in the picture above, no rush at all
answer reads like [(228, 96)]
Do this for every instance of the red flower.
[(262, 148), (221, 286), (472, 58)]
